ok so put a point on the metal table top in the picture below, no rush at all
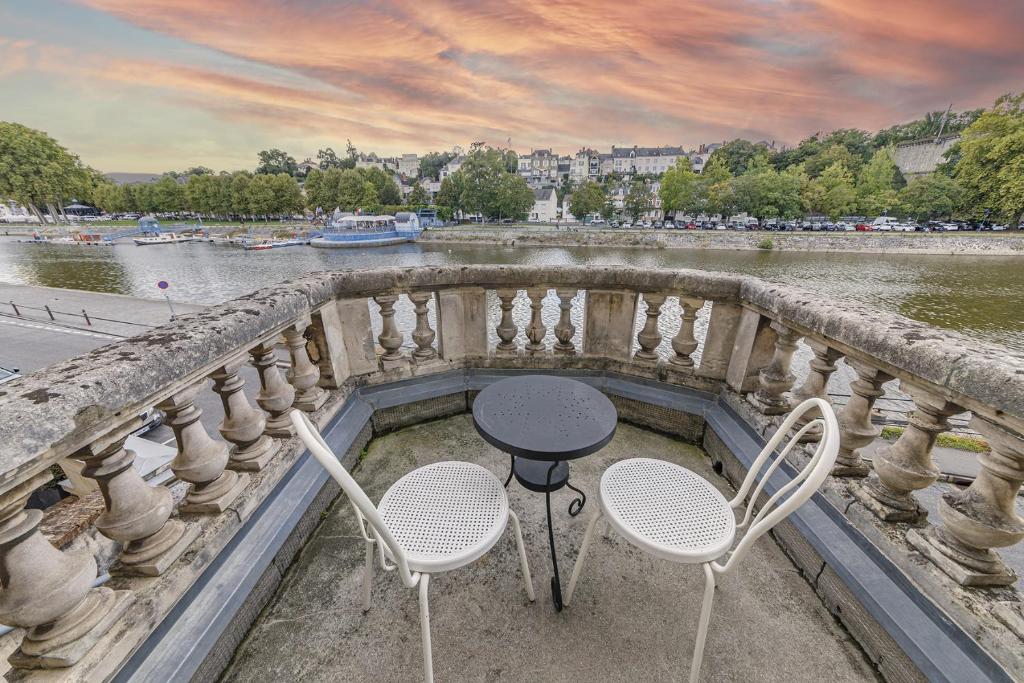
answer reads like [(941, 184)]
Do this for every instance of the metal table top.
[(542, 417)]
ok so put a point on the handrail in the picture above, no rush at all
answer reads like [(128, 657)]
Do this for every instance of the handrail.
[(51, 412)]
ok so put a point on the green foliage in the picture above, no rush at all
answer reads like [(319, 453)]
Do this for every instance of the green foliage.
[(832, 193), (715, 188), (766, 193), (345, 188), (369, 199), (35, 170), (432, 163), (449, 195), (418, 197), (737, 154), (588, 199), (930, 197), (876, 185), (274, 161), (484, 185), (766, 244), (926, 127), (513, 199), (327, 158), (678, 189), (638, 200), (991, 165)]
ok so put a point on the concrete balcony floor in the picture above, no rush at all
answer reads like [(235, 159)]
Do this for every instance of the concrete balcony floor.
[(633, 617)]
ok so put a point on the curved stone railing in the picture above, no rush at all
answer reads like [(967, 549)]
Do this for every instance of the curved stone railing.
[(710, 331)]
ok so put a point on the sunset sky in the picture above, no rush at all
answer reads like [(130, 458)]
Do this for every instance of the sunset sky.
[(154, 85)]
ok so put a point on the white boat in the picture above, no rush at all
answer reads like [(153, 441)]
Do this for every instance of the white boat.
[(368, 231), (163, 238)]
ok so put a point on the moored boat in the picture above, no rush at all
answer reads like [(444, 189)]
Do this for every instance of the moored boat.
[(163, 238), (368, 231)]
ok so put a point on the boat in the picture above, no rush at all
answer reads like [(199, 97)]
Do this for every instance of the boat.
[(261, 245), (163, 238), (368, 231)]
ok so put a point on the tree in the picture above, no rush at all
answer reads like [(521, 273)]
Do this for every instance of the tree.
[(829, 155), (449, 196), (930, 196), (37, 171), (387, 191), (638, 200), (432, 163), (349, 190), (765, 193), (514, 198), (369, 201), (738, 153), (832, 193), (714, 192), (418, 197), (588, 199), (991, 166), (274, 161), (327, 159), (238, 188), (876, 185), (287, 194), (259, 195), (482, 170), (169, 194), (678, 189)]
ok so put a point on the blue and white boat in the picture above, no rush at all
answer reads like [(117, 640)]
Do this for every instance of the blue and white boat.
[(369, 231)]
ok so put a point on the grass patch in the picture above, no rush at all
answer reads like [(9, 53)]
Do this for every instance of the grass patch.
[(971, 444), (766, 244)]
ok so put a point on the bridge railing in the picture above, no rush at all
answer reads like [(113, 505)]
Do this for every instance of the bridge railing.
[(339, 330)]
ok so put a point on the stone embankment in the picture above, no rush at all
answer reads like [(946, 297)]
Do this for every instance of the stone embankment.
[(986, 244)]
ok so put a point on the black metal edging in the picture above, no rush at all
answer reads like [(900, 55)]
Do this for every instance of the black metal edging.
[(936, 645), (186, 636)]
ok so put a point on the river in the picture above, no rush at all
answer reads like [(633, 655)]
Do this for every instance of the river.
[(980, 296)]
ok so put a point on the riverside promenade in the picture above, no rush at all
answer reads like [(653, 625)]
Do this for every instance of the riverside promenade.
[(30, 339)]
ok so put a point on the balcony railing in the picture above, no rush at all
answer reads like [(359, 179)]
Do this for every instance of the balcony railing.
[(732, 335)]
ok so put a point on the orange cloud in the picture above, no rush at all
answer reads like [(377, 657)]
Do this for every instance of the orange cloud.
[(402, 74)]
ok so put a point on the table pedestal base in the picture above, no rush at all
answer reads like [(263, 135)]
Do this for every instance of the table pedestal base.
[(545, 477)]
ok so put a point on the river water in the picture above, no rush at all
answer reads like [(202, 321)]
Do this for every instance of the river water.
[(978, 295)]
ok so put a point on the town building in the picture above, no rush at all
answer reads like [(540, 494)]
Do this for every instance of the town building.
[(408, 165), (539, 166), (545, 206), (645, 160), (452, 166)]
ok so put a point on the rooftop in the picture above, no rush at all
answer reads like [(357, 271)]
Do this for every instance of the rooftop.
[(485, 629)]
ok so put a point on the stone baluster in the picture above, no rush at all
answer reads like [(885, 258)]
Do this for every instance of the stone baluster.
[(649, 337), (136, 514), (319, 348), (536, 330), (423, 335), (684, 343), (47, 592), (822, 365), (564, 329), (390, 338), (906, 466), (200, 461), (982, 516), (775, 379), (276, 395), (243, 425), (855, 427), (303, 374), (506, 327)]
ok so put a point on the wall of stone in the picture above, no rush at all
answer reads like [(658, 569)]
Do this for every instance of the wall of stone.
[(920, 157), (994, 244)]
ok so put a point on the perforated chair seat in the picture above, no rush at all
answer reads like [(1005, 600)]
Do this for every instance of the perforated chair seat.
[(667, 510), (445, 515)]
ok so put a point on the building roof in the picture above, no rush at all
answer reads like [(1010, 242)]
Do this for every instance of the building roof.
[(543, 194), (624, 152)]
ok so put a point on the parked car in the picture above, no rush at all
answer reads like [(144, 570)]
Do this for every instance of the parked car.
[(998, 227), (8, 374), (627, 224), (669, 225)]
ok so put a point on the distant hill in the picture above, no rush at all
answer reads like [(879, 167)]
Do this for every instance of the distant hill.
[(129, 178)]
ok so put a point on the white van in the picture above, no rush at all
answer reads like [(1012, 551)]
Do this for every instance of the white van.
[(884, 223)]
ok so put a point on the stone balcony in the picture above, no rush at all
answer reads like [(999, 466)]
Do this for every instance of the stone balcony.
[(700, 358)]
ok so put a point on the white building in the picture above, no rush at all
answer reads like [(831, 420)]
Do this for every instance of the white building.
[(371, 161), (452, 166), (409, 165), (539, 166), (588, 164), (647, 160), (545, 206)]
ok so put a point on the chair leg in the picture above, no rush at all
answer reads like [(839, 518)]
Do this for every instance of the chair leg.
[(522, 556), (583, 554), (702, 625), (428, 656), (368, 576)]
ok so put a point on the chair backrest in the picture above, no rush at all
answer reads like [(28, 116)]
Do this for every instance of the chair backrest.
[(366, 511), (805, 483)]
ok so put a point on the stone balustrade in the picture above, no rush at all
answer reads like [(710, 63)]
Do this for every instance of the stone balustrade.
[(733, 335)]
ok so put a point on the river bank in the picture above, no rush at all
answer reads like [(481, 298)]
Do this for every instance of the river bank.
[(950, 244)]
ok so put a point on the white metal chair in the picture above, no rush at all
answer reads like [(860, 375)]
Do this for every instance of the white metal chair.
[(434, 519), (676, 515)]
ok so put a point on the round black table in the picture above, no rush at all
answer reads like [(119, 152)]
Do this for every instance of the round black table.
[(542, 422)]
